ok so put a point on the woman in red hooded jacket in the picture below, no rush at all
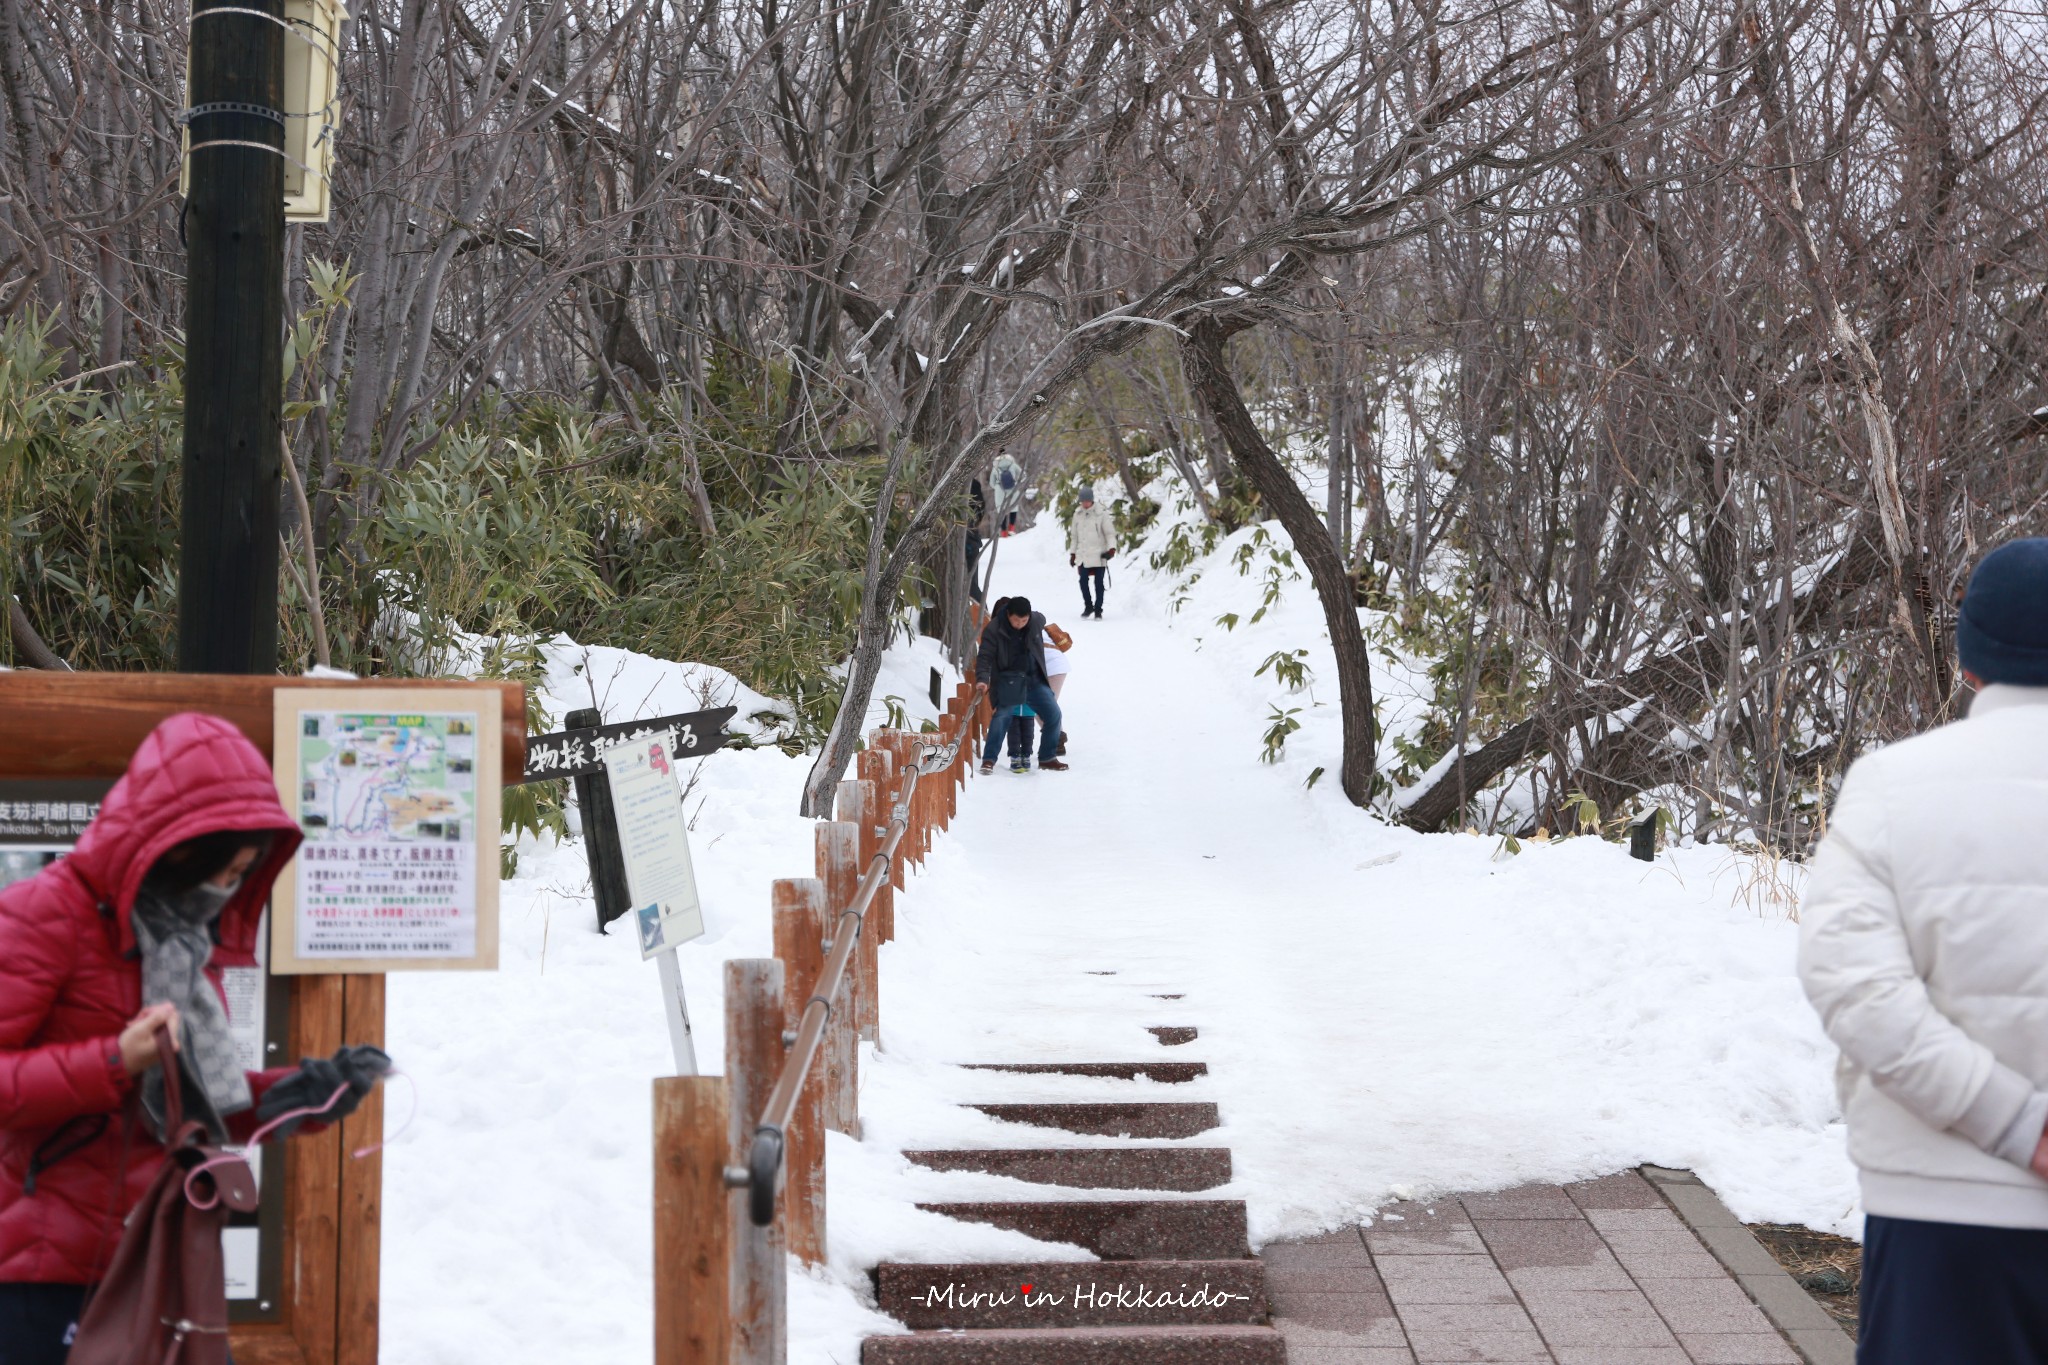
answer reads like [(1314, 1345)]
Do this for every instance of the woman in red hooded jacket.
[(164, 889)]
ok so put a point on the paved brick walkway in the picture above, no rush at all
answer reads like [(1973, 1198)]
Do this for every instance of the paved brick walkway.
[(1600, 1273)]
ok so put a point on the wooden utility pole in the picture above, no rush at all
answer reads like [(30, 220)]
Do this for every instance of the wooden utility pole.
[(234, 339)]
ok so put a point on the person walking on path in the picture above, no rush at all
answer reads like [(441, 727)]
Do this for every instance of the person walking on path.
[(1091, 544), (1010, 670), (1006, 482), (129, 930), (1057, 642), (1924, 947)]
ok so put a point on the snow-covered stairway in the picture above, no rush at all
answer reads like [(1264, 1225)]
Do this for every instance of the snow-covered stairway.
[(1176, 1285)]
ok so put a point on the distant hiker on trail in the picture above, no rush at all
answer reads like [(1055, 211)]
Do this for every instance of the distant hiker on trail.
[(1091, 544), (1006, 482), (126, 933), (1011, 671), (1924, 945)]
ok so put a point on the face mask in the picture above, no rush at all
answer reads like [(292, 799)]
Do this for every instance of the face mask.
[(204, 902)]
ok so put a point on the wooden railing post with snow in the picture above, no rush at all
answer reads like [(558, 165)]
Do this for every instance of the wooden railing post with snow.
[(753, 1060), (801, 929), (856, 1014), (694, 1216)]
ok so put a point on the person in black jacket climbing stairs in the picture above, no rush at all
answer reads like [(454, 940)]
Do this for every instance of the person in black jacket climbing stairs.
[(1010, 669)]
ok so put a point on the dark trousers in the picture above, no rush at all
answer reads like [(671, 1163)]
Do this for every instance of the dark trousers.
[(1022, 728), (1092, 603), (1952, 1294), (1039, 698), (36, 1322)]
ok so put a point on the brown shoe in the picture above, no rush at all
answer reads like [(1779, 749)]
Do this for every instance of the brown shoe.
[(1051, 765)]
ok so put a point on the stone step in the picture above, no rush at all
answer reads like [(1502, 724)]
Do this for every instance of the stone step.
[(1122, 1229), (1234, 1345), (1168, 1072), (1092, 1168), (1173, 1035), (1135, 1120), (1072, 1294)]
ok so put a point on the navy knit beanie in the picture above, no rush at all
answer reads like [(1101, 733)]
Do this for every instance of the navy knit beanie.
[(2002, 629)]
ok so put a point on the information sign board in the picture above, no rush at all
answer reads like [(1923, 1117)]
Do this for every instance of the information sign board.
[(655, 840), (654, 844), (399, 803)]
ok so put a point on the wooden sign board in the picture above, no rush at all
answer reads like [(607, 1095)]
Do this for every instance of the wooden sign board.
[(579, 753), (398, 792)]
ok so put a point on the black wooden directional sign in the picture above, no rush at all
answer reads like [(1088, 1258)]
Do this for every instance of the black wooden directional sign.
[(577, 753)]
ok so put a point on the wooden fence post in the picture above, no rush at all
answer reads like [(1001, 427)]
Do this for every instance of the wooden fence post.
[(860, 803), (899, 865), (839, 868), (692, 1221), (800, 931), (879, 766), (753, 1056), (952, 732), (963, 707), (359, 1249), (927, 800)]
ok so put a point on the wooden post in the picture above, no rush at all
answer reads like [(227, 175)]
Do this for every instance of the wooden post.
[(839, 869), (312, 1178), (921, 803), (949, 780), (362, 1186), (879, 767), (753, 1057), (859, 804), (800, 931), (600, 832), (907, 852), (927, 792), (963, 707), (692, 1221)]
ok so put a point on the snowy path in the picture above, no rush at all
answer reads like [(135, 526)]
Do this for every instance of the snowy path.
[(1383, 1013)]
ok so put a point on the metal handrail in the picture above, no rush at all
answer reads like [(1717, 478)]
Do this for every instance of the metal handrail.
[(763, 1173)]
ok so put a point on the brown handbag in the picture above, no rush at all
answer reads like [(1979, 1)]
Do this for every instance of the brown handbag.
[(164, 1298)]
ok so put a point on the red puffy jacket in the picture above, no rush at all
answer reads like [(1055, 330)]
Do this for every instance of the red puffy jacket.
[(71, 979)]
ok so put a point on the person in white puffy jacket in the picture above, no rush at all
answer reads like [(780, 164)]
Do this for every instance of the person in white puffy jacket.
[(1091, 544), (1924, 946)]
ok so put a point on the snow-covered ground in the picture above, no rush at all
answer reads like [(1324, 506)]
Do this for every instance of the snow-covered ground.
[(1385, 1014)]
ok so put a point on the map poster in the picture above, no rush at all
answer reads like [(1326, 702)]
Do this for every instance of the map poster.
[(655, 839), (397, 793)]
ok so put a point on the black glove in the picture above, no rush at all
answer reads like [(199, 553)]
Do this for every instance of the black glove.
[(359, 1068), (1110, 553)]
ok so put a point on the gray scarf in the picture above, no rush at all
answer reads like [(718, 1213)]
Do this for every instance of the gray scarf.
[(175, 935)]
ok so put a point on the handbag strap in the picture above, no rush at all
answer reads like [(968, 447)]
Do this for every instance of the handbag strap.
[(174, 1097)]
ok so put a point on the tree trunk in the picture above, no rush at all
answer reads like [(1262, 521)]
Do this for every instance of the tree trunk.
[(1208, 374)]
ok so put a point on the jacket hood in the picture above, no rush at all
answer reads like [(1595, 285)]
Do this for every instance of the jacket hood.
[(194, 774)]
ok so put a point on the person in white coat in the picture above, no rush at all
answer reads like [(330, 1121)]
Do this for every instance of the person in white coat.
[(1091, 544), (1924, 946)]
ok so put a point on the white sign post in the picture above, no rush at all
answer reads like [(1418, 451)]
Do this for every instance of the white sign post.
[(655, 841)]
